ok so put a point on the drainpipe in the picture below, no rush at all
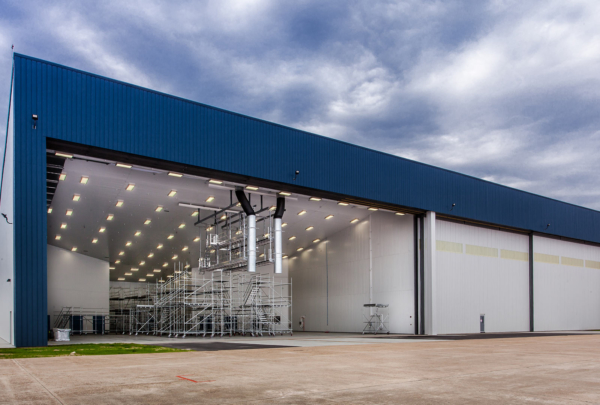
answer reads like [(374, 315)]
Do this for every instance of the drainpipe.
[(239, 193), (278, 246)]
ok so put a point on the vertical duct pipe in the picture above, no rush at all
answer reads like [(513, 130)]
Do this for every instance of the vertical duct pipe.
[(239, 193), (278, 245)]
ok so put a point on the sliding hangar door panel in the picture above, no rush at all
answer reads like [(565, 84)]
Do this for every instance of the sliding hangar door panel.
[(566, 285), (481, 271)]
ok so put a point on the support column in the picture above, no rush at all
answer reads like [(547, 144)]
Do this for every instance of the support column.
[(531, 325), (430, 274)]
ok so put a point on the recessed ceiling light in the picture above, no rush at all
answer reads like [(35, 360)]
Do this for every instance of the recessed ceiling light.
[(74, 249), (50, 210), (128, 274), (62, 154), (291, 238), (121, 253), (111, 268), (175, 174), (147, 222), (95, 240), (172, 193), (170, 276), (284, 225), (134, 269), (159, 208), (63, 226), (137, 233), (165, 264), (121, 279), (119, 203), (84, 179), (210, 199), (151, 254), (314, 199), (62, 177), (102, 229), (354, 220), (253, 188), (373, 209), (130, 187), (310, 228), (194, 214), (161, 281), (342, 203), (329, 217), (316, 240), (110, 217), (174, 257), (181, 226), (213, 181), (76, 197), (300, 249), (149, 275), (170, 236), (159, 246), (128, 243), (184, 249), (142, 263), (69, 212), (123, 165), (57, 237), (285, 193), (142, 279), (197, 239), (157, 270), (302, 212), (399, 213), (117, 261)]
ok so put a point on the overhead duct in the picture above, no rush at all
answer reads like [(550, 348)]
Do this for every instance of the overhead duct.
[(241, 196), (278, 246)]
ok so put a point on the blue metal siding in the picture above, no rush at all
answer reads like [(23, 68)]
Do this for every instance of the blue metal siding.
[(80, 107)]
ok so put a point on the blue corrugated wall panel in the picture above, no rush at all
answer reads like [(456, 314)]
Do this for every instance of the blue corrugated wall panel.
[(80, 107)]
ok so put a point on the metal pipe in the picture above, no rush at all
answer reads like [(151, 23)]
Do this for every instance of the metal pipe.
[(252, 243), (278, 245)]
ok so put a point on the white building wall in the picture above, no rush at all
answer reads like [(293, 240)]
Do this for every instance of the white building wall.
[(76, 280), (566, 285), (481, 271), (331, 280)]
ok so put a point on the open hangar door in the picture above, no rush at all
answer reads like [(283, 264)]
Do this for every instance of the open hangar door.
[(118, 231)]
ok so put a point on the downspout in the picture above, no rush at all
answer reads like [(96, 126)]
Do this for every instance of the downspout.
[(278, 245), (239, 193)]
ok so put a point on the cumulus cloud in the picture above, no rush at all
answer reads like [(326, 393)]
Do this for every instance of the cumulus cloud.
[(499, 89)]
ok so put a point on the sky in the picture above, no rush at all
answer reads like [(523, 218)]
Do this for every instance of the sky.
[(507, 91)]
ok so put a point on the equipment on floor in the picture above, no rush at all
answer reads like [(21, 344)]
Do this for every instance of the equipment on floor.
[(376, 320)]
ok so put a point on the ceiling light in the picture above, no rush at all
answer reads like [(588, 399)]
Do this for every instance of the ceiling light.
[(284, 193), (121, 279), (110, 217), (291, 238), (159, 246), (187, 266), (181, 226), (262, 255), (170, 236), (184, 249), (399, 213), (111, 268), (117, 261), (272, 208), (151, 255), (300, 249), (197, 239), (147, 222), (238, 232), (316, 240), (137, 233), (121, 253), (172, 193), (63, 226), (174, 257), (266, 235), (134, 269), (142, 279), (142, 263), (128, 244), (149, 275), (123, 165), (95, 240), (314, 199), (210, 199), (212, 251), (157, 270), (284, 224), (69, 212), (119, 203), (165, 264), (284, 257), (224, 217), (159, 208), (84, 179), (161, 281), (373, 209), (354, 220), (102, 229), (50, 210), (238, 204), (175, 174), (57, 237), (130, 187), (342, 203), (170, 276), (329, 217), (209, 229), (310, 228), (253, 188), (213, 181), (62, 176), (76, 197), (66, 155), (194, 214), (302, 212), (128, 274), (74, 249)]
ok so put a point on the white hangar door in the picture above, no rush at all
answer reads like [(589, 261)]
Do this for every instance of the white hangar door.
[(481, 272)]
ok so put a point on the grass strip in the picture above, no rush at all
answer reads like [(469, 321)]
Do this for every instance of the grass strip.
[(83, 350)]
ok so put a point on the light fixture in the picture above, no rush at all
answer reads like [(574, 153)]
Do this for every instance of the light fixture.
[(373, 209), (69, 212), (110, 217), (399, 213), (142, 279), (50, 210), (123, 165), (95, 240), (262, 255), (194, 214), (76, 197), (128, 243), (121, 279), (84, 179), (121, 253), (314, 199), (142, 263), (284, 257), (354, 220), (165, 264), (210, 199), (213, 181), (291, 238), (209, 229), (159, 246), (342, 203), (117, 261), (147, 222), (57, 237), (134, 269), (197, 239), (329, 216), (253, 188), (62, 154), (159, 208), (238, 232), (170, 276), (238, 204), (149, 275), (151, 254), (161, 281), (137, 233), (302, 212), (111, 268), (223, 217), (172, 193), (272, 208), (157, 270), (128, 274), (119, 203), (284, 193), (170, 236), (130, 187), (181, 226), (62, 177), (212, 251), (74, 249), (174, 257), (175, 174), (187, 266), (184, 249), (316, 240), (63, 226), (102, 229), (300, 249), (266, 235), (310, 228)]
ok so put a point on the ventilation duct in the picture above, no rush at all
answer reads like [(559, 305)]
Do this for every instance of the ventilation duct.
[(278, 246), (241, 196)]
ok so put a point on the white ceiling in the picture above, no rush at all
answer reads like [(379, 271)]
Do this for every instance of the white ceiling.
[(107, 184)]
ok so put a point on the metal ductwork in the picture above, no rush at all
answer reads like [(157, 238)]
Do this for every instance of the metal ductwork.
[(241, 196), (278, 246)]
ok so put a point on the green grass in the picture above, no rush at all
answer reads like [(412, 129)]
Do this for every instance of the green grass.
[(83, 350)]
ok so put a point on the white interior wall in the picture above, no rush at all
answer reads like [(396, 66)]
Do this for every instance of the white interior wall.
[(7, 242), (566, 285), (482, 278), (331, 279), (76, 280)]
